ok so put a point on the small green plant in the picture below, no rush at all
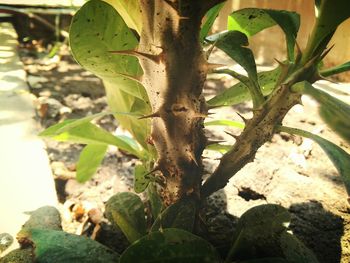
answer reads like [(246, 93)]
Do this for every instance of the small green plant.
[(153, 59)]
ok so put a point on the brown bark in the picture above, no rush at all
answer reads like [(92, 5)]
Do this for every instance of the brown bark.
[(175, 70)]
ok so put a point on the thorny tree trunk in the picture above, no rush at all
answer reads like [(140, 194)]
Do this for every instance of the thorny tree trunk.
[(175, 70)]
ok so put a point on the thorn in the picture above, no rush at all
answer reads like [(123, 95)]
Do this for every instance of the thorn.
[(300, 101), (200, 115), (210, 50), (282, 65), (299, 53), (154, 58), (324, 54), (232, 135), (152, 115), (320, 77), (192, 158), (242, 117), (155, 169), (212, 66)]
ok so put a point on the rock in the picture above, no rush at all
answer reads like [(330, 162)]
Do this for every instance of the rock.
[(35, 82), (78, 102), (5, 241)]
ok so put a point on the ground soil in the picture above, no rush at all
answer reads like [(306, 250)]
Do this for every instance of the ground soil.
[(289, 170)]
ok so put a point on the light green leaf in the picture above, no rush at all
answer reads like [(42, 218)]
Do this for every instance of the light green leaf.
[(209, 20), (60, 247), (141, 181), (230, 123), (126, 211), (120, 101), (221, 148), (129, 11), (87, 133), (170, 246), (339, 157), (239, 92), (253, 20), (333, 111), (179, 215), (89, 160), (96, 30)]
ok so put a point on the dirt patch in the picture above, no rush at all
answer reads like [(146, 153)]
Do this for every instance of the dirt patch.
[(290, 171)]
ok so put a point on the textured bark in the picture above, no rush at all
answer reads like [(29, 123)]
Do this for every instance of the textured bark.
[(175, 69)]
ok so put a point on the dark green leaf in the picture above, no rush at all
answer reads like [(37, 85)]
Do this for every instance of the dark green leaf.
[(126, 211), (330, 14), (335, 70), (253, 20), (234, 43), (295, 251), (209, 20), (239, 92), (19, 256), (60, 247), (266, 260), (89, 160), (141, 180), (259, 229), (179, 215), (333, 111), (155, 200), (170, 246), (339, 157)]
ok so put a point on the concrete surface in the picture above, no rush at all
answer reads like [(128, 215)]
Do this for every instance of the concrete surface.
[(26, 182)]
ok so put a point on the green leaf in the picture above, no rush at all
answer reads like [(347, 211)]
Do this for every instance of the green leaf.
[(234, 43), (96, 30), (178, 215), (266, 260), (335, 70), (120, 101), (333, 111), (141, 180), (87, 133), (60, 247), (253, 20), (209, 20), (330, 14), (18, 256), (239, 92), (339, 157), (259, 229), (155, 200), (129, 11), (221, 148), (229, 123), (126, 211), (170, 246), (295, 251), (89, 160)]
